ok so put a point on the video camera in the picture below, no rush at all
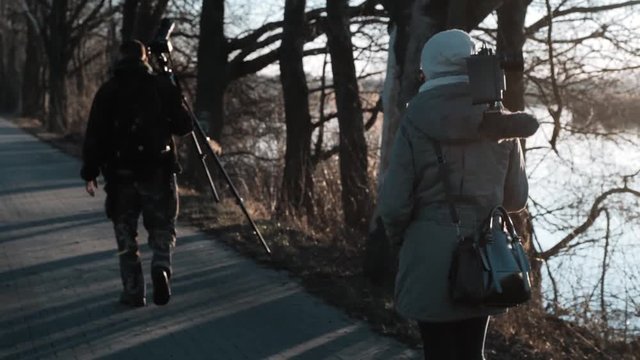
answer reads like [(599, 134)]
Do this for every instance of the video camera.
[(160, 47), (161, 43), (487, 82), (486, 74)]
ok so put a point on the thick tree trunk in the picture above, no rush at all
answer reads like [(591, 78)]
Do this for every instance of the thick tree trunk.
[(356, 197), (32, 87), (511, 37), (414, 24), (389, 101), (57, 54), (13, 86), (3, 75), (57, 116), (129, 18), (212, 64), (297, 182), (9, 75)]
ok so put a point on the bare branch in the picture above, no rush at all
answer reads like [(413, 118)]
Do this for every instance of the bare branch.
[(242, 68), (325, 155), (374, 114), (557, 113), (250, 154), (321, 115), (548, 19), (594, 213)]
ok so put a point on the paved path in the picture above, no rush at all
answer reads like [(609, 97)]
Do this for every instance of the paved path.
[(59, 284)]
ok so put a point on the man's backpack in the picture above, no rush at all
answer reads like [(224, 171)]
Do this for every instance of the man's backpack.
[(141, 136)]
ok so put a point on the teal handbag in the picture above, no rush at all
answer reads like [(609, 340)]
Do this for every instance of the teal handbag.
[(489, 268)]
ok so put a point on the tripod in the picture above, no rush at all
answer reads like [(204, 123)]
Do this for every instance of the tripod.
[(161, 48)]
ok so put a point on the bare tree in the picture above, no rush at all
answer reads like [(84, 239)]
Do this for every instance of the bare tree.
[(356, 199), (33, 75), (9, 93), (297, 184), (212, 60), (510, 40), (61, 25)]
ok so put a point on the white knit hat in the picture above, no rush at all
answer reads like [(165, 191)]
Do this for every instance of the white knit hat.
[(445, 54)]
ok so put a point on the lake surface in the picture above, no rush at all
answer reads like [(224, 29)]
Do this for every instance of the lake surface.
[(563, 188)]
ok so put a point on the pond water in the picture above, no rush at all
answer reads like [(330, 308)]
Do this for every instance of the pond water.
[(563, 187)]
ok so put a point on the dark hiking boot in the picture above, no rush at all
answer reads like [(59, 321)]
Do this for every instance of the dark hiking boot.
[(134, 289), (132, 300), (161, 286)]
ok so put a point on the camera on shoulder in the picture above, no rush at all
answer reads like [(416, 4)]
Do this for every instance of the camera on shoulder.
[(486, 74)]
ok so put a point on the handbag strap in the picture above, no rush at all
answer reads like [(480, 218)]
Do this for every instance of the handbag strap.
[(443, 171), (506, 219)]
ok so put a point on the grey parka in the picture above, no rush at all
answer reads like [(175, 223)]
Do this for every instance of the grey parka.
[(485, 169)]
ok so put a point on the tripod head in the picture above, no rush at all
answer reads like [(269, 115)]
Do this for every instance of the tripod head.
[(161, 43), (160, 47)]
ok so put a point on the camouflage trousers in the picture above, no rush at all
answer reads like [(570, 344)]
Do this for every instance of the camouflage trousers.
[(156, 199)]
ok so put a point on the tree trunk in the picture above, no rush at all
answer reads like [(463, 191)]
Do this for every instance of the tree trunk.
[(57, 116), (57, 54), (356, 200), (129, 18), (415, 23), (9, 91), (511, 39), (3, 75), (32, 87), (212, 64), (297, 182), (112, 43), (391, 113)]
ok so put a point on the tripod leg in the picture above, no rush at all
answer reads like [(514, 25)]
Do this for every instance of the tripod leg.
[(202, 157)]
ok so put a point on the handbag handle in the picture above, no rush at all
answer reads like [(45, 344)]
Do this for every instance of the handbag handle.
[(504, 215)]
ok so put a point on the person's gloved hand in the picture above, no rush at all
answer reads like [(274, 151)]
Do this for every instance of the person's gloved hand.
[(215, 146)]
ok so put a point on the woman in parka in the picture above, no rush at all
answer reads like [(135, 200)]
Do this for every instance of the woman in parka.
[(486, 169)]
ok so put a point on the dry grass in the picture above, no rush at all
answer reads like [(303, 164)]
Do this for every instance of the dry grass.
[(327, 260)]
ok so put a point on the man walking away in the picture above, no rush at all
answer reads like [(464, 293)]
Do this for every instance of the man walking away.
[(129, 140)]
